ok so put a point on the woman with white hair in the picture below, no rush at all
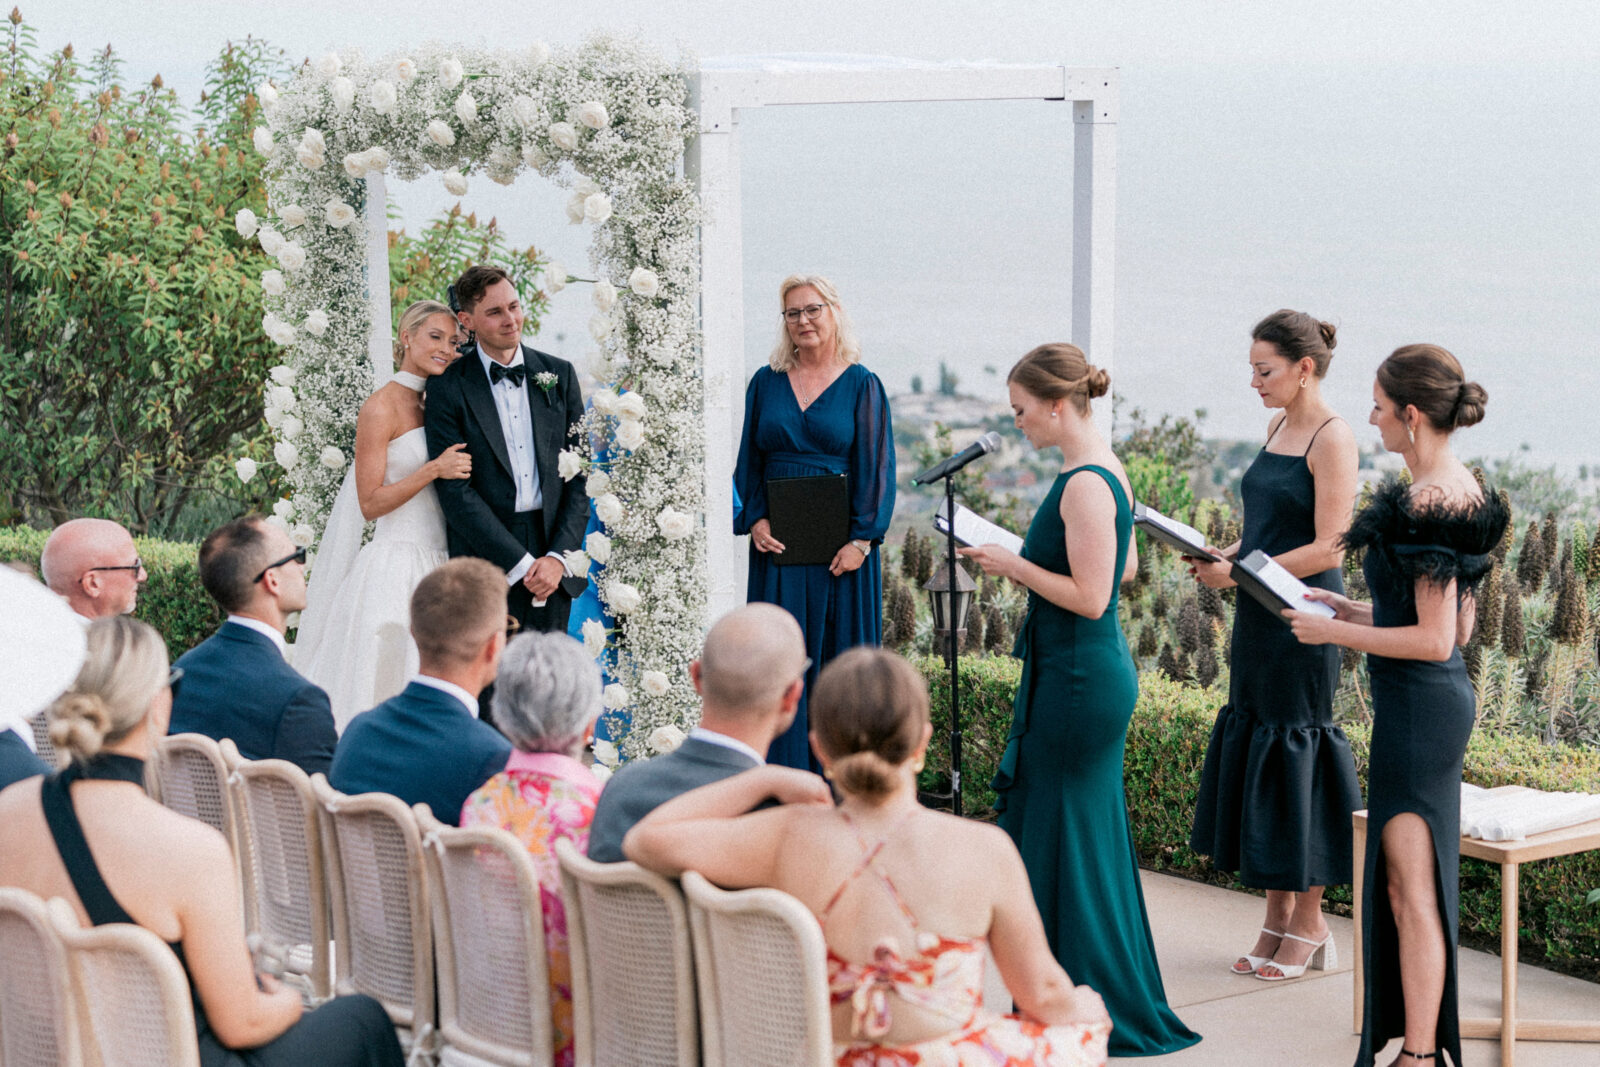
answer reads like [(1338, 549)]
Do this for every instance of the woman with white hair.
[(814, 410), (546, 700)]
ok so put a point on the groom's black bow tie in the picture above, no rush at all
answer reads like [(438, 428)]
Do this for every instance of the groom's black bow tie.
[(497, 373)]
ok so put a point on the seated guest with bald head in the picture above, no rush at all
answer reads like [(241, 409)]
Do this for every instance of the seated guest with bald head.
[(94, 565), (237, 683), (750, 675), (427, 745)]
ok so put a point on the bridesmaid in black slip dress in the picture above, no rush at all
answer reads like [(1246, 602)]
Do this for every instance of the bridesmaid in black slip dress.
[(174, 872), (1279, 782), (1426, 546)]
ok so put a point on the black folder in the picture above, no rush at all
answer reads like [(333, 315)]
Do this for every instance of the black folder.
[(810, 517), (1246, 573)]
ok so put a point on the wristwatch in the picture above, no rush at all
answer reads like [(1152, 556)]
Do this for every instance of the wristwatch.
[(864, 547)]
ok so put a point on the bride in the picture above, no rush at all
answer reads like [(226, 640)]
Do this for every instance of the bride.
[(354, 638)]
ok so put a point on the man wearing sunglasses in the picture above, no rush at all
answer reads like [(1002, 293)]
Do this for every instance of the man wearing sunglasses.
[(237, 683), (94, 565)]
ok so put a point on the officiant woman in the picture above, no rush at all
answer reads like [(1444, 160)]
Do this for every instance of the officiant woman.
[(815, 410)]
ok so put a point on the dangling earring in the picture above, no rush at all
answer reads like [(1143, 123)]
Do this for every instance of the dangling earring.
[(1411, 435), (1302, 383)]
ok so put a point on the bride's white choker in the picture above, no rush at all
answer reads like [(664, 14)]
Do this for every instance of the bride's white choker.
[(413, 382)]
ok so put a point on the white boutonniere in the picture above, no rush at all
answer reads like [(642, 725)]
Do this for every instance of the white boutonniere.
[(545, 381)]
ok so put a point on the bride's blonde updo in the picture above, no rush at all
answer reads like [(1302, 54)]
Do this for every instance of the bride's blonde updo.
[(868, 709), (410, 319), (124, 667), (1060, 371)]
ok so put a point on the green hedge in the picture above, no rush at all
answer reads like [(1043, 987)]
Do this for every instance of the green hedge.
[(1166, 748), (173, 600)]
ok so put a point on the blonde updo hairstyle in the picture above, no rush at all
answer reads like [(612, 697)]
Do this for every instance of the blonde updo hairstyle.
[(124, 667), (869, 709), (846, 347), (413, 317), (1431, 379), (1060, 371)]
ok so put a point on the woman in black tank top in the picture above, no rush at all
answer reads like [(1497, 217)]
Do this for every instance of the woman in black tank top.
[(173, 872), (1279, 782)]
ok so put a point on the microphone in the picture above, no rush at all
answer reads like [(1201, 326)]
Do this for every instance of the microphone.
[(944, 468)]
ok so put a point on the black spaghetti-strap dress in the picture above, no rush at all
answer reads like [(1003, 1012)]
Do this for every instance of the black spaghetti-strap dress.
[(1422, 715), (1279, 782), (352, 1031)]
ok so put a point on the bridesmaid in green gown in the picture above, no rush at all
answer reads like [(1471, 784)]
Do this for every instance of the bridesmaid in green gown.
[(1060, 779)]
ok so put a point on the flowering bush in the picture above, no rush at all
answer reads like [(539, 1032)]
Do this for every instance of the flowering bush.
[(607, 119)]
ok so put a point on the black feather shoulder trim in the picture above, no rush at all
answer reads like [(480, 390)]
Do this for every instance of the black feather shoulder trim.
[(1431, 540)]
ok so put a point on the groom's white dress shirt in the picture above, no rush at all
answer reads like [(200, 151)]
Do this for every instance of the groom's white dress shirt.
[(516, 423)]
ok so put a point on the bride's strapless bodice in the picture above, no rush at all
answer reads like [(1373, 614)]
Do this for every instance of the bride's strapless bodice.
[(419, 519)]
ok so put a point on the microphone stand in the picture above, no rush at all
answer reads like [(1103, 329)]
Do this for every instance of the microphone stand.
[(951, 650)]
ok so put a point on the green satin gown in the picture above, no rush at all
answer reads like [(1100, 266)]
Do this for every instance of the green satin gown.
[(1061, 797)]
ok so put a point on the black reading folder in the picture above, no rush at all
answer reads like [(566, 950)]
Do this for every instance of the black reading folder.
[(1274, 587), (1186, 539), (810, 517)]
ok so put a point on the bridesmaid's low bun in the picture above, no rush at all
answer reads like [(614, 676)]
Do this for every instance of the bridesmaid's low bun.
[(1470, 401)]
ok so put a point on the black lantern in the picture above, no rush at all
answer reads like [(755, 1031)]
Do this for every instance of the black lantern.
[(950, 606)]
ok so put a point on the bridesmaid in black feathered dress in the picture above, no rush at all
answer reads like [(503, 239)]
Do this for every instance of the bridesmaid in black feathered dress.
[(1427, 544)]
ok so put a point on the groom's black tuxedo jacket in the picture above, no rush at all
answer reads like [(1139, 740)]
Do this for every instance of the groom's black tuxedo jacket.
[(477, 510)]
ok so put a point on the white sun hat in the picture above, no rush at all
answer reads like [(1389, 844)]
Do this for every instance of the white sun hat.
[(41, 646)]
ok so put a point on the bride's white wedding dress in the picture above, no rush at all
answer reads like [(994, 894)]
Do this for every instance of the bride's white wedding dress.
[(354, 638)]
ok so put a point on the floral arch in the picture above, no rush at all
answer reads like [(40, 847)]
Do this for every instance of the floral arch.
[(608, 120)]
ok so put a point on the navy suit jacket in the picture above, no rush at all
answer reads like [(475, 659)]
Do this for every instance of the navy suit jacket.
[(17, 760), (641, 787), (236, 684), (423, 747)]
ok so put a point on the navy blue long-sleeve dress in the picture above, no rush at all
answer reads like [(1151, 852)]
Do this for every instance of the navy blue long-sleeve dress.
[(846, 430)]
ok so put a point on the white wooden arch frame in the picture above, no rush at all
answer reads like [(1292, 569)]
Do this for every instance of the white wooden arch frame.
[(721, 94)]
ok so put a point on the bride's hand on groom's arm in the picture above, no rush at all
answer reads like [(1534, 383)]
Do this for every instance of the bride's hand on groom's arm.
[(543, 577), (454, 463)]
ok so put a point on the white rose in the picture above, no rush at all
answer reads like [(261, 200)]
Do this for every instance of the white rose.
[(609, 509), (309, 159), (271, 240), (329, 64), (594, 640), (630, 405), (282, 374), (562, 135), (292, 215), (604, 401), (283, 509), (592, 114), (246, 223), (292, 256), (440, 133), (575, 208), (267, 94), (455, 183), (569, 465), (286, 454), (538, 54), (451, 72), (312, 138), (343, 91), (605, 295), (655, 683), (534, 157), (262, 139), (355, 164), (614, 696), (302, 535), (289, 427), (331, 458), (644, 282), (272, 416), (338, 214), (382, 96), (622, 598), (666, 738), (601, 772), (466, 108), (600, 327), (675, 525), (576, 562), (245, 468), (585, 185), (272, 283), (605, 752), (282, 333), (316, 323), (597, 484), (597, 207), (404, 69), (524, 109), (376, 158), (554, 278), (279, 396), (598, 545)]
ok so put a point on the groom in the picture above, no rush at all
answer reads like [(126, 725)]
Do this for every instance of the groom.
[(515, 408)]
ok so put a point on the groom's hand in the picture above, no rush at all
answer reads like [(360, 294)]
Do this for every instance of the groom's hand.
[(543, 577)]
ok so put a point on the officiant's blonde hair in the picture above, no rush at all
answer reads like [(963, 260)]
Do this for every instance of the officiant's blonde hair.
[(846, 348), (413, 317)]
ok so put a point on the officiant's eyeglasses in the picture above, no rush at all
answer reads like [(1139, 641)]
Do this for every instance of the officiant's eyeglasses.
[(810, 311), (136, 566), (297, 556)]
